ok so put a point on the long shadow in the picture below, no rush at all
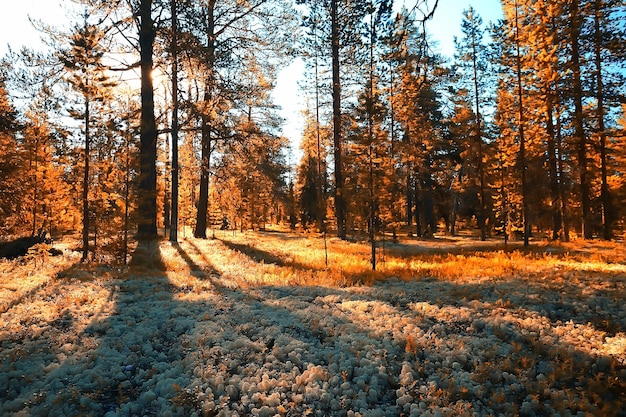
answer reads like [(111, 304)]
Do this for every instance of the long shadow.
[(109, 365), (262, 256), (140, 343), (552, 303), (21, 298), (310, 350)]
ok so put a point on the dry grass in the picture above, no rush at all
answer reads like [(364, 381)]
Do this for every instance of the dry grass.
[(454, 325), (303, 257)]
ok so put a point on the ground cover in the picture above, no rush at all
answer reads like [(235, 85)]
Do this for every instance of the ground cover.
[(257, 324)]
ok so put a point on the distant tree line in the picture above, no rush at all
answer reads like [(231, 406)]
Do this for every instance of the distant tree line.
[(149, 114), (522, 133)]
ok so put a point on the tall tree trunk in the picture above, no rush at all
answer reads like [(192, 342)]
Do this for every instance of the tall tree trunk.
[(409, 197), (147, 207), (607, 218), (522, 138), (561, 171), (479, 144), (340, 205), (127, 188), (167, 189), (579, 126), (174, 47), (34, 166), (552, 168), (86, 184), (321, 205), (203, 198), (370, 137)]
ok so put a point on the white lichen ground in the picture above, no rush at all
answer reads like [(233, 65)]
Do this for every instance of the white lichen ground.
[(177, 334)]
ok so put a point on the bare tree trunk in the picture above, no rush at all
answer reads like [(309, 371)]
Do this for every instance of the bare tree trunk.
[(561, 170), (340, 205), (174, 46), (86, 185), (552, 165), (127, 189), (607, 215), (579, 127), (147, 207), (522, 138), (479, 144), (203, 198)]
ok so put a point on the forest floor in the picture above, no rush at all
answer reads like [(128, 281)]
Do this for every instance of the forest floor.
[(257, 324)]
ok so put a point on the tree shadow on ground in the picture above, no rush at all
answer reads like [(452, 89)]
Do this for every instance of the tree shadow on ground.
[(217, 350), (262, 256)]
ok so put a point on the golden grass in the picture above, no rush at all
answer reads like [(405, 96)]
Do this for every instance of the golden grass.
[(286, 258)]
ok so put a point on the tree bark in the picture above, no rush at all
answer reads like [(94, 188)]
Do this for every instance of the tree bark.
[(579, 127), (174, 47), (552, 167), (479, 147), (86, 185), (607, 218), (340, 206), (147, 207), (522, 139), (203, 198)]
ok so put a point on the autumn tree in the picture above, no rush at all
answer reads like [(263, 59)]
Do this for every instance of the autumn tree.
[(175, 123), (312, 181), (47, 194), (608, 55), (312, 178), (338, 33), (11, 193), (220, 40), (134, 30), (87, 75), (570, 84), (425, 143), (472, 61)]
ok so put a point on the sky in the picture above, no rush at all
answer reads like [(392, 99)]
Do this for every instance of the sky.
[(16, 30)]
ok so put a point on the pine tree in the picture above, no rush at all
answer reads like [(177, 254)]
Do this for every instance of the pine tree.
[(47, 194), (471, 57), (87, 75), (11, 194), (338, 29), (311, 183), (220, 46)]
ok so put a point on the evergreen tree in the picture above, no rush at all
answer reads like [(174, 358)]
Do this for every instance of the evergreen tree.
[(311, 183), (472, 60), (87, 75), (45, 191), (221, 45), (11, 194)]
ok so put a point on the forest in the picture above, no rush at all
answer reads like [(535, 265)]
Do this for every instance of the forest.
[(158, 115), (447, 239)]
